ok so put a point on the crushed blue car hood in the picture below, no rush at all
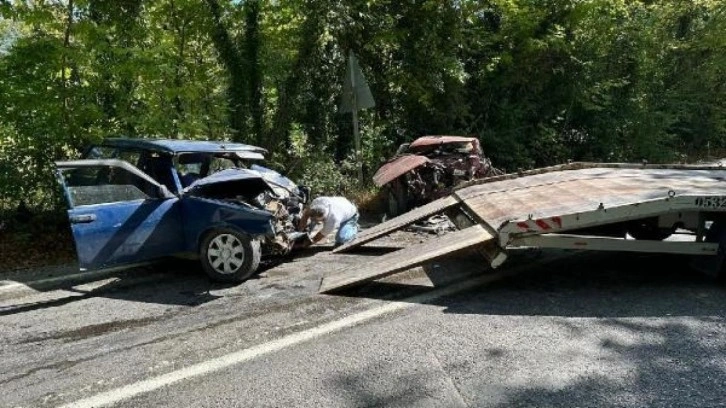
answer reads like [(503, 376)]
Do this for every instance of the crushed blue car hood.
[(225, 176), (270, 177), (274, 177)]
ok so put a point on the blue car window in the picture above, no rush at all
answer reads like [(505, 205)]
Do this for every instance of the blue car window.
[(99, 185), (220, 163)]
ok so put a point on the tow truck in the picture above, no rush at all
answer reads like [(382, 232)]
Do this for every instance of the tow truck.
[(584, 206)]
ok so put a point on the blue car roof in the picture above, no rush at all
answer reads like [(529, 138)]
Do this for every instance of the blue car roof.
[(180, 146)]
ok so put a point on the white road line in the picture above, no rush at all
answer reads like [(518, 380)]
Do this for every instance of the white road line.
[(220, 363)]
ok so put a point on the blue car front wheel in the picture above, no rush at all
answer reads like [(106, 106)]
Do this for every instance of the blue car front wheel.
[(229, 256)]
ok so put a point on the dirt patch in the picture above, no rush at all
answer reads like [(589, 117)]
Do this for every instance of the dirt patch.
[(27, 249), (59, 366), (95, 330)]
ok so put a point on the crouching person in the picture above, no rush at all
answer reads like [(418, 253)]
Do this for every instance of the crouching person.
[(332, 212)]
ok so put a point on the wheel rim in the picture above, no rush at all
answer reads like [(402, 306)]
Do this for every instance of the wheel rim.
[(225, 254)]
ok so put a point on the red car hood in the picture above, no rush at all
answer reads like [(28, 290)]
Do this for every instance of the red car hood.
[(439, 140), (397, 167)]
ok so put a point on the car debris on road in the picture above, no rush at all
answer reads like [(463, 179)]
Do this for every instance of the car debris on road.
[(438, 224)]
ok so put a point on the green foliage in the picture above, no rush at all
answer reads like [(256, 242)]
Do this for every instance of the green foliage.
[(538, 81), (326, 177), (317, 169)]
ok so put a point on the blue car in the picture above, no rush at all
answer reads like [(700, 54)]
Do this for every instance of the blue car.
[(135, 200)]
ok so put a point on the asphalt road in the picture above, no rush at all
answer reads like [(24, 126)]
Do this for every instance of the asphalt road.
[(558, 329)]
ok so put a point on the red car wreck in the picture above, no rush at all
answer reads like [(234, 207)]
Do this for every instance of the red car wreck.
[(429, 168)]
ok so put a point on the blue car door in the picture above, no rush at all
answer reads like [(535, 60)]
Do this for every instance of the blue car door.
[(118, 214)]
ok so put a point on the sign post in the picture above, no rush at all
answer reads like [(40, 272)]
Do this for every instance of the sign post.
[(356, 95), (354, 110)]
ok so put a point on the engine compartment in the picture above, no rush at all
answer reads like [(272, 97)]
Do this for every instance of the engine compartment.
[(256, 193)]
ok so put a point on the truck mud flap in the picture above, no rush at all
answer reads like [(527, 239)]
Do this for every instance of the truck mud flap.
[(399, 222), (412, 256)]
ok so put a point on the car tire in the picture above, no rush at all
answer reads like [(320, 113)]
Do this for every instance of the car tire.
[(229, 256), (717, 234), (721, 274), (392, 204), (396, 199), (648, 230)]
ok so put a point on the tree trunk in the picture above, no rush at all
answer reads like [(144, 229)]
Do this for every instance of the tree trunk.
[(180, 24), (252, 48), (311, 31), (235, 64), (65, 99)]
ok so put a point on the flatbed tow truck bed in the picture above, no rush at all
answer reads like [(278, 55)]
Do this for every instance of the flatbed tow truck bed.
[(578, 205)]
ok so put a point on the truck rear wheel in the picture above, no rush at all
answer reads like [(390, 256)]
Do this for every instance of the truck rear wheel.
[(717, 233), (648, 230), (229, 256)]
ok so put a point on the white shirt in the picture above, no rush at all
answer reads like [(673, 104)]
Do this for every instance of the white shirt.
[(339, 211)]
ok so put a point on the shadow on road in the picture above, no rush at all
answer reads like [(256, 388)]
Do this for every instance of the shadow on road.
[(614, 285), (655, 323), (599, 285), (312, 251), (171, 282), (671, 364), (175, 281)]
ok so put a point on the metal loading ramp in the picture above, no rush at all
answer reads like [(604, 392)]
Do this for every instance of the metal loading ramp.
[(573, 199), (512, 210), (407, 258)]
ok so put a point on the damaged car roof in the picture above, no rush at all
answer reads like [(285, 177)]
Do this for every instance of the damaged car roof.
[(179, 146), (439, 140)]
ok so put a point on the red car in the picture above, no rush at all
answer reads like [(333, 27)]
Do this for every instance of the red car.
[(429, 168)]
